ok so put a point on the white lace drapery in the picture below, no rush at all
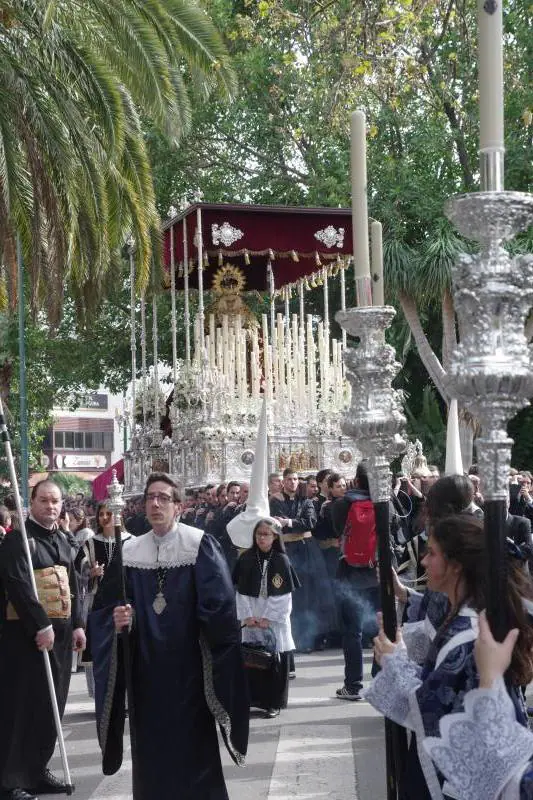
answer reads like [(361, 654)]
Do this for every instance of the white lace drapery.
[(483, 751)]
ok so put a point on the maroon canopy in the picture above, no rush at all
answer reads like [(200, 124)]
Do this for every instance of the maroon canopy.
[(102, 481), (297, 241)]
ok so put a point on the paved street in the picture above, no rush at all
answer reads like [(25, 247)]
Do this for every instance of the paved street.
[(320, 748)]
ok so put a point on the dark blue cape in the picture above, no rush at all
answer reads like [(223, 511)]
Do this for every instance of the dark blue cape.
[(187, 674)]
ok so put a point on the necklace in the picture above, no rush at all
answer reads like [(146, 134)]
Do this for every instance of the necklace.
[(109, 545), (160, 602), (263, 569)]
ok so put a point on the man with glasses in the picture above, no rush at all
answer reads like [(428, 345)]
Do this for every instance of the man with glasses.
[(187, 669)]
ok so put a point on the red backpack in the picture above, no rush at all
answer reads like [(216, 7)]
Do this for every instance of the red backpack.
[(359, 539)]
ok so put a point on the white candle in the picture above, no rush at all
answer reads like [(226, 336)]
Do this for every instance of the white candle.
[(377, 264), (490, 65), (256, 364), (244, 366), (280, 342), (359, 199), (343, 299), (268, 371), (238, 362), (225, 345), (220, 351)]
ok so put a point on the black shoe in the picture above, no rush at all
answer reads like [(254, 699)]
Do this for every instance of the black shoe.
[(271, 713), (348, 694), (49, 784), (17, 794)]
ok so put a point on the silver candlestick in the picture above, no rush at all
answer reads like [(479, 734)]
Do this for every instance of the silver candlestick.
[(115, 502), (375, 420), (490, 372)]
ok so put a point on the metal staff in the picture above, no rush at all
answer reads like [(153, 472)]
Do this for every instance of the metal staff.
[(115, 504), (49, 677), (375, 420)]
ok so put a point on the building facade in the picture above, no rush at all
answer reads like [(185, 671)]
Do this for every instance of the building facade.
[(88, 440)]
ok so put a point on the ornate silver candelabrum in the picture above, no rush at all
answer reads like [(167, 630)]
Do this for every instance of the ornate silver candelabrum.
[(375, 418), (115, 503), (490, 373)]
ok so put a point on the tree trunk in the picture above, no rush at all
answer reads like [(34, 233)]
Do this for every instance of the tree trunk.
[(466, 436), (425, 351), (449, 333)]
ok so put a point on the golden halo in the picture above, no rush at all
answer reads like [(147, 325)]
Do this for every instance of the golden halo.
[(228, 280)]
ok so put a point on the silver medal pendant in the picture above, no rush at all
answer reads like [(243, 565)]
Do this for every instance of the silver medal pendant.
[(159, 603)]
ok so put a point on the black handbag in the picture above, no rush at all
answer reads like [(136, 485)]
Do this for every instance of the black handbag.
[(260, 656)]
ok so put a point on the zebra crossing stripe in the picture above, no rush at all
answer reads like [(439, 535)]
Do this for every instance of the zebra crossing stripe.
[(312, 762)]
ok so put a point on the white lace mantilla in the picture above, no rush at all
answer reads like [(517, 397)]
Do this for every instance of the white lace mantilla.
[(391, 689), (178, 548), (482, 750)]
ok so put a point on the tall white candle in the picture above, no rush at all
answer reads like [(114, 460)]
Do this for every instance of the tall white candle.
[(377, 264), (359, 208), (212, 342), (268, 371), (220, 351), (225, 345), (280, 342), (342, 276), (490, 64)]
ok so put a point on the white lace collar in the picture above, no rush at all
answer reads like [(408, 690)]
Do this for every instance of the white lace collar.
[(178, 548)]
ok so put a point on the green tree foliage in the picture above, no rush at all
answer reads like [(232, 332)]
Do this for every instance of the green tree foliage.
[(74, 172), (75, 177)]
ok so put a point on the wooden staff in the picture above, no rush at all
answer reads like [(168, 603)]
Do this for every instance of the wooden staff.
[(395, 735)]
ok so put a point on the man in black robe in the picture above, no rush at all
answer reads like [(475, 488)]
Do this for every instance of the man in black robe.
[(313, 610), (30, 625), (187, 671)]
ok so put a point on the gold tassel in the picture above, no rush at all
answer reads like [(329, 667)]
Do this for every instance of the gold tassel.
[(313, 283), (317, 260), (294, 256), (271, 254), (306, 285), (247, 258), (220, 258), (206, 260)]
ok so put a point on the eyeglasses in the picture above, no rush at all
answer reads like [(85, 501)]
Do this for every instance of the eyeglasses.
[(164, 499)]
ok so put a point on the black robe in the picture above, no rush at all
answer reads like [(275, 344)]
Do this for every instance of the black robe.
[(187, 669), (27, 731), (313, 610), (281, 577)]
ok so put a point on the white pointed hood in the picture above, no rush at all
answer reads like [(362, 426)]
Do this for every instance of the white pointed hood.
[(454, 460), (257, 507)]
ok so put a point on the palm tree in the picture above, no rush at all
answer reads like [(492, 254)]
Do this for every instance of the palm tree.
[(421, 279), (74, 171)]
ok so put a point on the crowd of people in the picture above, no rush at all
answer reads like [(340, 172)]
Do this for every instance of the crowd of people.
[(201, 610)]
